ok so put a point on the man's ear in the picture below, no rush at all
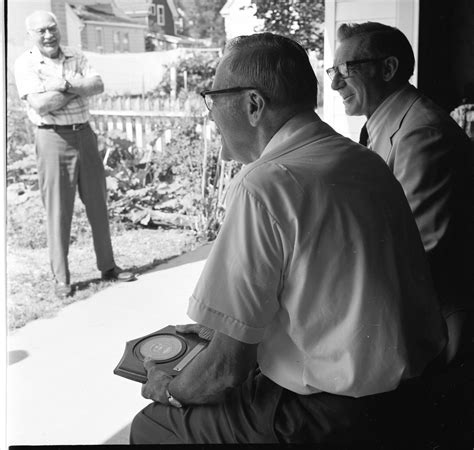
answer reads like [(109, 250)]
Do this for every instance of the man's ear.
[(390, 67), (255, 106)]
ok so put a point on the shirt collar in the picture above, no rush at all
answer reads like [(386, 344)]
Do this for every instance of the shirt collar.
[(65, 52), (288, 129), (377, 120)]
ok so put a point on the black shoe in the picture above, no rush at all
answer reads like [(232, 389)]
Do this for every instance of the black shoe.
[(62, 290), (116, 273)]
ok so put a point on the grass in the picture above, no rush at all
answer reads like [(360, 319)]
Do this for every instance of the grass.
[(30, 288)]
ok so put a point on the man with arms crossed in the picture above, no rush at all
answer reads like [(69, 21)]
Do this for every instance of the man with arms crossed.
[(55, 82), (427, 151), (318, 276)]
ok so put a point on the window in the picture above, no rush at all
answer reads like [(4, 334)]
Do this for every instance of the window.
[(151, 10), (99, 35), (116, 41), (126, 43), (160, 14)]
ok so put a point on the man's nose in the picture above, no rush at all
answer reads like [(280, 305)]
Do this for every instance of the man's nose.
[(337, 82), (48, 33)]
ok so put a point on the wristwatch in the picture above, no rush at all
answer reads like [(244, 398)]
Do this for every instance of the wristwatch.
[(172, 401)]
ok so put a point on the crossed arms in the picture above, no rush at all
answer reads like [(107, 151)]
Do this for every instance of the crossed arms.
[(59, 93)]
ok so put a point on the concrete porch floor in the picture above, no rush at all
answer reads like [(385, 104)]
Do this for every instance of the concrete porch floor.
[(61, 389)]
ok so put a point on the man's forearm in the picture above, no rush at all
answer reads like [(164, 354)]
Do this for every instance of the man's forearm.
[(225, 364), (46, 102), (85, 87)]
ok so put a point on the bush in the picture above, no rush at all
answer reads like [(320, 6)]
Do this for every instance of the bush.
[(199, 68), (181, 186)]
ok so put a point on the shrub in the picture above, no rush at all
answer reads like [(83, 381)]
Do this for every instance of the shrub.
[(180, 186), (199, 68)]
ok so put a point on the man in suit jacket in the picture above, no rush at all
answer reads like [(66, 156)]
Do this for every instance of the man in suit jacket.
[(428, 152)]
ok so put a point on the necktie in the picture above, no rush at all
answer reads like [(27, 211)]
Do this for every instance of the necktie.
[(364, 136)]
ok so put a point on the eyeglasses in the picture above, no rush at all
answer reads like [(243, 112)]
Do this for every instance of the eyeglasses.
[(207, 95), (343, 68), (42, 31)]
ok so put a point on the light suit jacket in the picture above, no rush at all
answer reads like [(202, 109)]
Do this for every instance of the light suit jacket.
[(431, 157)]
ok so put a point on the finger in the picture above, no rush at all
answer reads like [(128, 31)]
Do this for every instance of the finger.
[(148, 363), (189, 328), (146, 391)]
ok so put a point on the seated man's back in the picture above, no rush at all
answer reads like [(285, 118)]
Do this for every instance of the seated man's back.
[(320, 229)]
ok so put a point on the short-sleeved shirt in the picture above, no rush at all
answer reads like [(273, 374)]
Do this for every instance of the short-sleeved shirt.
[(32, 69), (319, 261)]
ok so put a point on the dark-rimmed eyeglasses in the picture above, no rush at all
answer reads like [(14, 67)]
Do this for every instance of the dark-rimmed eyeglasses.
[(343, 69), (207, 95)]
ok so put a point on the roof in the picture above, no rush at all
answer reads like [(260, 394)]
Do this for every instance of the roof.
[(173, 9), (99, 12)]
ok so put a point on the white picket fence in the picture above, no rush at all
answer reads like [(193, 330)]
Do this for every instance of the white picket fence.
[(136, 115)]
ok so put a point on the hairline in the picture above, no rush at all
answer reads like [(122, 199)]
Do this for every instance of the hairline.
[(35, 13)]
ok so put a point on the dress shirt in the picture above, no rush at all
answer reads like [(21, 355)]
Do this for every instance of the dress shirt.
[(32, 69), (319, 261)]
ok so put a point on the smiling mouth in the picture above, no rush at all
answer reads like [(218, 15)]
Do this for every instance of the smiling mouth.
[(346, 99)]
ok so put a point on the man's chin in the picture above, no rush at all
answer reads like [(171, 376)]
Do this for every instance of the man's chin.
[(50, 52), (351, 110)]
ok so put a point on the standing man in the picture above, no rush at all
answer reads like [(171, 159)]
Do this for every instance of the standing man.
[(318, 275), (55, 81), (427, 151)]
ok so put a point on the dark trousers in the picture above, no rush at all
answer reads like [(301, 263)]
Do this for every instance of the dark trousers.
[(260, 411), (68, 159)]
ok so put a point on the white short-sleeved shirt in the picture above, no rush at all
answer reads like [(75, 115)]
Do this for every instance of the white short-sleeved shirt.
[(320, 262), (32, 69)]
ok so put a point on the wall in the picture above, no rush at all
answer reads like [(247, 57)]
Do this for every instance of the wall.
[(168, 28), (132, 73), (89, 37), (400, 13), (74, 28), (446, 50)]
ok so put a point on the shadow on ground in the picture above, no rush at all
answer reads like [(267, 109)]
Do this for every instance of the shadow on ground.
[(121, 437), (196, 255), (15, 356)]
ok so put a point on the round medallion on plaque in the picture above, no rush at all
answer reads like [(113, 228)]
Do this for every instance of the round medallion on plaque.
[(162, 347)]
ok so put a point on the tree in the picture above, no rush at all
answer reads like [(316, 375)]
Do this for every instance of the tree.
[(301, 20), (203, 20)]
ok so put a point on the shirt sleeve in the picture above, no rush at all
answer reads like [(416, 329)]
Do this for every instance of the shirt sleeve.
[(237, 293), (27, 78), (85, 67)]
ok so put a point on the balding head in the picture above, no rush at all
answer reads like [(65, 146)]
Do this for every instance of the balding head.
[(36, 17)]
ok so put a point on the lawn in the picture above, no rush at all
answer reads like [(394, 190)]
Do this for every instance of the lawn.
[(30, 290)]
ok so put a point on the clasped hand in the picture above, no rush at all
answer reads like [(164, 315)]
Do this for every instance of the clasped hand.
[(158, 380)]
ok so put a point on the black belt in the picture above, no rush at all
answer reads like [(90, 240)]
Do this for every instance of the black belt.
[(74, 126)]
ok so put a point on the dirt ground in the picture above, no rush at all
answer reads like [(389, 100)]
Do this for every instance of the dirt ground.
[(30, 288)]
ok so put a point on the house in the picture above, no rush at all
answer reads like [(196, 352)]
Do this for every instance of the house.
[(99, 26), (160, 16), (92, 25)]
